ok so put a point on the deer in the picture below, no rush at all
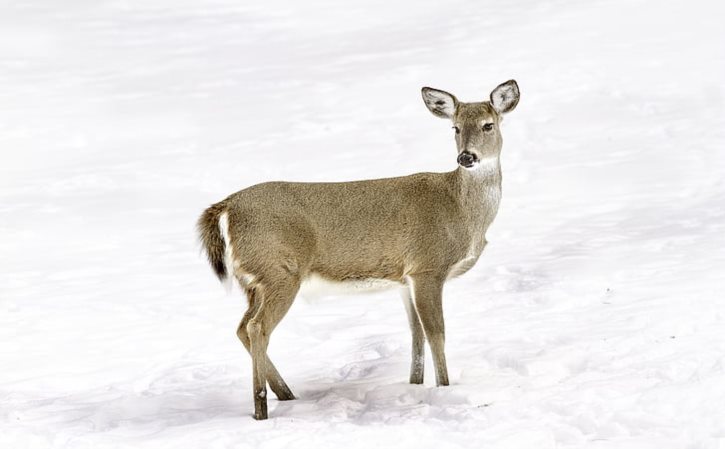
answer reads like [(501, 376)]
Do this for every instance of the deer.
[(412, 233)]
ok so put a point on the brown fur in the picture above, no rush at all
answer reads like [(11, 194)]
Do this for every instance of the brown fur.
[(416, 230)]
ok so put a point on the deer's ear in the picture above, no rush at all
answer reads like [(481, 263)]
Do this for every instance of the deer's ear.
[(439, 102), (505, 97)]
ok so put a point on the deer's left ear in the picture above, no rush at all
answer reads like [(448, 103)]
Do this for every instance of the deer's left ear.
[(505, 97)]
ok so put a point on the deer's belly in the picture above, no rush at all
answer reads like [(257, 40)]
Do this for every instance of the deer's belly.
[(317, 286)]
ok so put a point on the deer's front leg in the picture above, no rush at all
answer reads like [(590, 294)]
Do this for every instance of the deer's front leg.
[(417, 364), (428, 298)]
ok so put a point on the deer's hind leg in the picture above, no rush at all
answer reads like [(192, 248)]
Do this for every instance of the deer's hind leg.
[(276, 294), (278, 385)]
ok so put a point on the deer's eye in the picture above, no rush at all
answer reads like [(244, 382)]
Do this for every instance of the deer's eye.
[(488, 127), (458, 130)]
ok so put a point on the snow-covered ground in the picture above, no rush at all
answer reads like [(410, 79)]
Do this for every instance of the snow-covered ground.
[(595, 318)]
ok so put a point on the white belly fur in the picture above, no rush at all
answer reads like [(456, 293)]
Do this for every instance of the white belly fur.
[(315, 286)]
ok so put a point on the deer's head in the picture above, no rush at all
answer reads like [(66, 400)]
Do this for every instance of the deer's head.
[(476, 125)]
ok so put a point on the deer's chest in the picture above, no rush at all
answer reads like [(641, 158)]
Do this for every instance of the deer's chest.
[(491, 199), (482, 215)]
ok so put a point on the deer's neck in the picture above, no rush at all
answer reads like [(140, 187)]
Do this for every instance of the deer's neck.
[(476, 185), (479, 193)]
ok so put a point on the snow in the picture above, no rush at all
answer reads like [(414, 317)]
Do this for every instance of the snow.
[(595, 317)]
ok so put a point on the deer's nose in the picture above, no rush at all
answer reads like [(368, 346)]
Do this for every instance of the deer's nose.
[(467, 159)]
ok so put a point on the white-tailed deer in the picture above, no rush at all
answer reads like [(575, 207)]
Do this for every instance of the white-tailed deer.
[(413, 232)]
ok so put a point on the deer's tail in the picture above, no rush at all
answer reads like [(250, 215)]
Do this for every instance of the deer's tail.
[(213, 228)]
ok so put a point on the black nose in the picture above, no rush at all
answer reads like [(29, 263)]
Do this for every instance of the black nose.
[(467, 159)]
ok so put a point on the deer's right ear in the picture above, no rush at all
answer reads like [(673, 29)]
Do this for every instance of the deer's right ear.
[(439, 102)]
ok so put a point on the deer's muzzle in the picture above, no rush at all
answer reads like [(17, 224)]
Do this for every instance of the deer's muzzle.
[(467, 159)]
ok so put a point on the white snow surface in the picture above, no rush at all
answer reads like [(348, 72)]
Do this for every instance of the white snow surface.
[(595, 318)]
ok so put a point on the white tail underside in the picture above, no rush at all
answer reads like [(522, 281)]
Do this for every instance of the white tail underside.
[(228, 251)]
